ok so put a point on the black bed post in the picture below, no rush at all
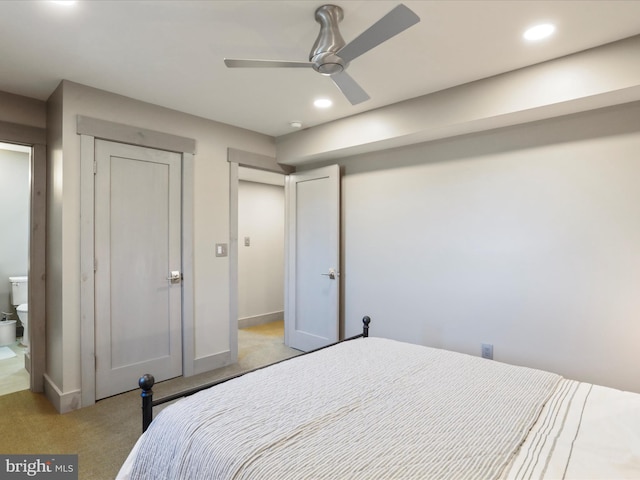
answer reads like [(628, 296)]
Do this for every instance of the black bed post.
[(365, 326), (146, 384)]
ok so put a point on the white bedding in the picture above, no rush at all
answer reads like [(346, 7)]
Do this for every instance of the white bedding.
[(584, 432), (375, 409)]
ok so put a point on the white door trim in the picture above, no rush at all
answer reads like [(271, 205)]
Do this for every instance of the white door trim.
[(233, 261), (89, 130)]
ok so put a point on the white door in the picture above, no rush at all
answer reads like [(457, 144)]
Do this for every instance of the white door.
[(312, 293), (138, 324)]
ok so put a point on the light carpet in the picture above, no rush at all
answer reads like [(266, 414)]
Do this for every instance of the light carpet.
[(103, 434)]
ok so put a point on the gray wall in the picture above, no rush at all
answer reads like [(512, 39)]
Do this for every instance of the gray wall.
[(211, 222), (14, 221), (526, 237), (22, 110)]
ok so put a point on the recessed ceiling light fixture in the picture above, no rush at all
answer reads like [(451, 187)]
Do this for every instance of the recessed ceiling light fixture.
[(295, 124), (539, 32), (63, 2), (322, 103)]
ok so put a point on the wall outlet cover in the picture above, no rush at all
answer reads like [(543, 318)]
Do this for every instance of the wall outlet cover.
[(487, 351)]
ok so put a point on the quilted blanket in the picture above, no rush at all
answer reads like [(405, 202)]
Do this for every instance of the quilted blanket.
[(364, 409)]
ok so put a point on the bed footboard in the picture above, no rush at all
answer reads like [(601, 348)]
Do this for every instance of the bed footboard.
[(147, 381)]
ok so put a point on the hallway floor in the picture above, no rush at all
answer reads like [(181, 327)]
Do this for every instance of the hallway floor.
[(259, 344)]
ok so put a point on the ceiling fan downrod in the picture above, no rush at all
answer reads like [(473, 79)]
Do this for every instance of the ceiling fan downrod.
[(329, 41)]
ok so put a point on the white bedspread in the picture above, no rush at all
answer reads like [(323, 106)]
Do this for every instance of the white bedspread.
[(364, 409)]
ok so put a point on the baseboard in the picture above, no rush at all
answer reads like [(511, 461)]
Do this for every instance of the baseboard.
[(27, 362), (212, 362), (63, 402), (260, 319)]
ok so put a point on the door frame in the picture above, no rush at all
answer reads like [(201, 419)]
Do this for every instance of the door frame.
[(240, 158), (36, 138), (89, 130)]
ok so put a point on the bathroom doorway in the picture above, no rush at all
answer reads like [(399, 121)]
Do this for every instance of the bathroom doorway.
[(15, 212), (34, 138)]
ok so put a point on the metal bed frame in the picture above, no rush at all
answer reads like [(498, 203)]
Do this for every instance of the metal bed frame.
[(147, 381)]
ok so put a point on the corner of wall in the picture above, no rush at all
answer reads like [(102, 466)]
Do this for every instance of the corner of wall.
[(53, 314), (63, 402)]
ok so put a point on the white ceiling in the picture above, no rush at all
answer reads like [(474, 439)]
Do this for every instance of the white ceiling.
[(171, 53)]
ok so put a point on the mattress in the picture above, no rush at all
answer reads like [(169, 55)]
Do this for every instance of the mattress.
[(377, 408)]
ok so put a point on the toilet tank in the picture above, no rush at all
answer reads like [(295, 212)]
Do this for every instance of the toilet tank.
[(19, 290)]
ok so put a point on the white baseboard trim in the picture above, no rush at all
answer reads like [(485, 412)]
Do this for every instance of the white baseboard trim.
[(260, 319), (212, 362), (63, 402)]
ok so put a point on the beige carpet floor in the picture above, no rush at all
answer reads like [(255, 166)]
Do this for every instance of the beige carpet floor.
[(103, 434)]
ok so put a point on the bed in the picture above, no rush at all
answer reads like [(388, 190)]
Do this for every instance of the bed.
[(375, 408)]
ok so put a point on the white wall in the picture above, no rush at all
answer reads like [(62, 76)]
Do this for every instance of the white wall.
[(14, 221), (527, 238), (211, 218), (260, 265)]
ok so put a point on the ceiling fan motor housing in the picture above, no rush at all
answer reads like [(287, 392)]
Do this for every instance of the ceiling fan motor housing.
[(329, 41)]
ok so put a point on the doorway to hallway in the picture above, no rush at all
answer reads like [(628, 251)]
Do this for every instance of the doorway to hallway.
[(261, 217)]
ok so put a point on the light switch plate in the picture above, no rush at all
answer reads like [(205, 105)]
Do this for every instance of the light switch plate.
[(221, 249), (247, 241)]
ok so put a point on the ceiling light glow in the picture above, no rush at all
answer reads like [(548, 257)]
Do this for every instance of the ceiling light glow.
[(63, 2), (323, 103), (539, 32)]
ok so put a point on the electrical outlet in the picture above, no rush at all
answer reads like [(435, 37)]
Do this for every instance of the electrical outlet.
[(487, 351)]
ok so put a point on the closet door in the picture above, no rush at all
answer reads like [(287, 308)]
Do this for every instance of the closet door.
[(138, 324)]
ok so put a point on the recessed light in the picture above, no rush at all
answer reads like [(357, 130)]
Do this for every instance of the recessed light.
[(63, 2), (295, 124), (539, 32), (323, 103)]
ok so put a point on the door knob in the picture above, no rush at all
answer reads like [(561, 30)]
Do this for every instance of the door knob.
[(332, 274), (175, 276)]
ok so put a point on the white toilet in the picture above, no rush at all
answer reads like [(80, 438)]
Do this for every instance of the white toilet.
[(19, 297)]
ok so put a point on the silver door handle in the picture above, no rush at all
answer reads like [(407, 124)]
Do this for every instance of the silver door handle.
[(175, 276), (332, 274)]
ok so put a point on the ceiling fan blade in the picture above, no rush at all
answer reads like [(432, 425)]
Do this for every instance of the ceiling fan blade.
[(350, 88), (233, 63), (393, 23)]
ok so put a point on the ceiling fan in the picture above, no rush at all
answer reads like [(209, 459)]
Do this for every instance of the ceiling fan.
[(330, 55)]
